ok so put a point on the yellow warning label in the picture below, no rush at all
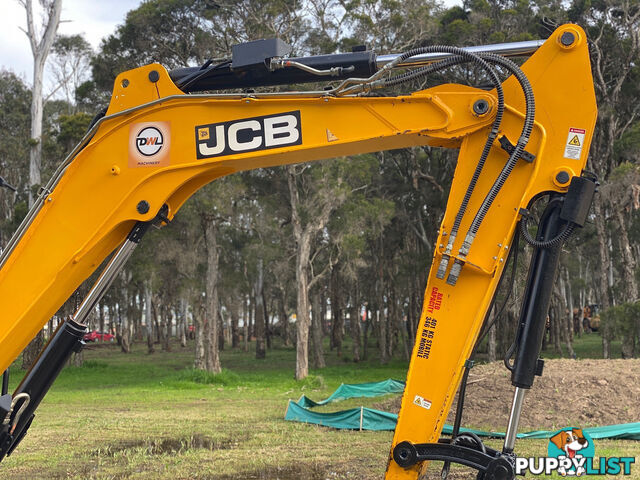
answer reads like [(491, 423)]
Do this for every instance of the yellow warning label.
[(330, 136), (575, 141)]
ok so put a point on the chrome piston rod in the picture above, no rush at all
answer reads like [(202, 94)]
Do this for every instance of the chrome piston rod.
[(514, 49), (514, 419)]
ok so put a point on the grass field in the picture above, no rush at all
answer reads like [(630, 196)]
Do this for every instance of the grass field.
[(143, 416)]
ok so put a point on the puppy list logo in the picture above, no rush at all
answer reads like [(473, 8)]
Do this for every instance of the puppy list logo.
[(571, 453)]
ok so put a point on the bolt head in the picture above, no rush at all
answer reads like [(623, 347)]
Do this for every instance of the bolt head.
[(154, 76), (143, 207), (563, 177), (567, 39), (480, 107)]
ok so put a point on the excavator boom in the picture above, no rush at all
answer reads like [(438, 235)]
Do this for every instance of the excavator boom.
[(157, 145)]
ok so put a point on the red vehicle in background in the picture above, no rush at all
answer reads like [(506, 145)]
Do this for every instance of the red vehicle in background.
[(96, 336)]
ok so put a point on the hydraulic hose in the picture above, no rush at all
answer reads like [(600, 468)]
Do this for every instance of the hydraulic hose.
[(460, 56), (520, 145)]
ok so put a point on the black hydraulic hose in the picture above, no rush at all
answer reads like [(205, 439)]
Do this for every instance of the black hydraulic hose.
[(447, 63), (207, 68), (520, 145), (424, 71), (478, 60), (557, 240)]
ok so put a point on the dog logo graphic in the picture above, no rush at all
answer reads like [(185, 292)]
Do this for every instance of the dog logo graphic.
[(574, 445)]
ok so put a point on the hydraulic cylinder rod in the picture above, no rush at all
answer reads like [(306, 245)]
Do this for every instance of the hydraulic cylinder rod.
[(513, 49), (360, 64), (533, 316)]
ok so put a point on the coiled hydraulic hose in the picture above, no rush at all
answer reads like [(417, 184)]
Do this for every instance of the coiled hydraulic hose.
[(554, 242), (527, 128), (506, 170), (459, 56)]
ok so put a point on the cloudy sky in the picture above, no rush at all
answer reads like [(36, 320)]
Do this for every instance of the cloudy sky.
[(93, 18)]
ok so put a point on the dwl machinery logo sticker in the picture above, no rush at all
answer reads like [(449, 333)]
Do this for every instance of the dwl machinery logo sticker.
[(571, 452)]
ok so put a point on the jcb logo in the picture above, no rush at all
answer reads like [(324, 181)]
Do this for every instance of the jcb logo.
[(149, 141), (248, 135)]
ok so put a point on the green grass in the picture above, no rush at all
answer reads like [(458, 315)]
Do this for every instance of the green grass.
[(589, 345), (143, 416)]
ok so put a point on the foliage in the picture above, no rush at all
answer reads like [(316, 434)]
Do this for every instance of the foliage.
[(623, 322)]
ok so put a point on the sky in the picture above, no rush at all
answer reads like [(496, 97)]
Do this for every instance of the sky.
[(95, 19)]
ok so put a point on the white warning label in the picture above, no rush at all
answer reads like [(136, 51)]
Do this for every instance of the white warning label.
[(575, 141), (422, 402)]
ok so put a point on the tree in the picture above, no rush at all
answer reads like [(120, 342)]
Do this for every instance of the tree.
[(15, 100), (40, 43), (311, 207), (70, 65), (613, 27)]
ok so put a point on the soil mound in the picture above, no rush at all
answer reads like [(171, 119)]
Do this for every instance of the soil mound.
[(581, 393)]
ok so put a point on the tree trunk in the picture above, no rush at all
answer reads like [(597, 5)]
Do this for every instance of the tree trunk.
[(226, 326), (221, 338), (167, 317), (380, 309), (630, 286), (211, 306), (605, 299), (354, 327), (365, 335), (200, 362), (302, 308), (316, 331), (235, 335), (336, 312), (283, 318), (245, 323), (268, 320), (184, 304), (492, 344), (260, 322), (101, 316), (156, 308), (40, 48), (30, 354), (125, 344)]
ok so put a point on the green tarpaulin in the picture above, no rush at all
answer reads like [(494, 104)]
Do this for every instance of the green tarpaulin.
[(362, 418), (356, 390)]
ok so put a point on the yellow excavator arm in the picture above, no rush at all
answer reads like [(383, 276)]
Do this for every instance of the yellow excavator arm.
[(157, 145)]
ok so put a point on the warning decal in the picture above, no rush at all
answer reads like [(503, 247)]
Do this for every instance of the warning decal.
[(575, 141), (422, 402)]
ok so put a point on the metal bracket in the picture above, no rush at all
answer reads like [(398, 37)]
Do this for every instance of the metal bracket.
[(508, 147), (491, 464), (43, 192)]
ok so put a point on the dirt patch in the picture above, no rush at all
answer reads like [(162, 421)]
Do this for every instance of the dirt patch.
[(161, 446), (584, 393)]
